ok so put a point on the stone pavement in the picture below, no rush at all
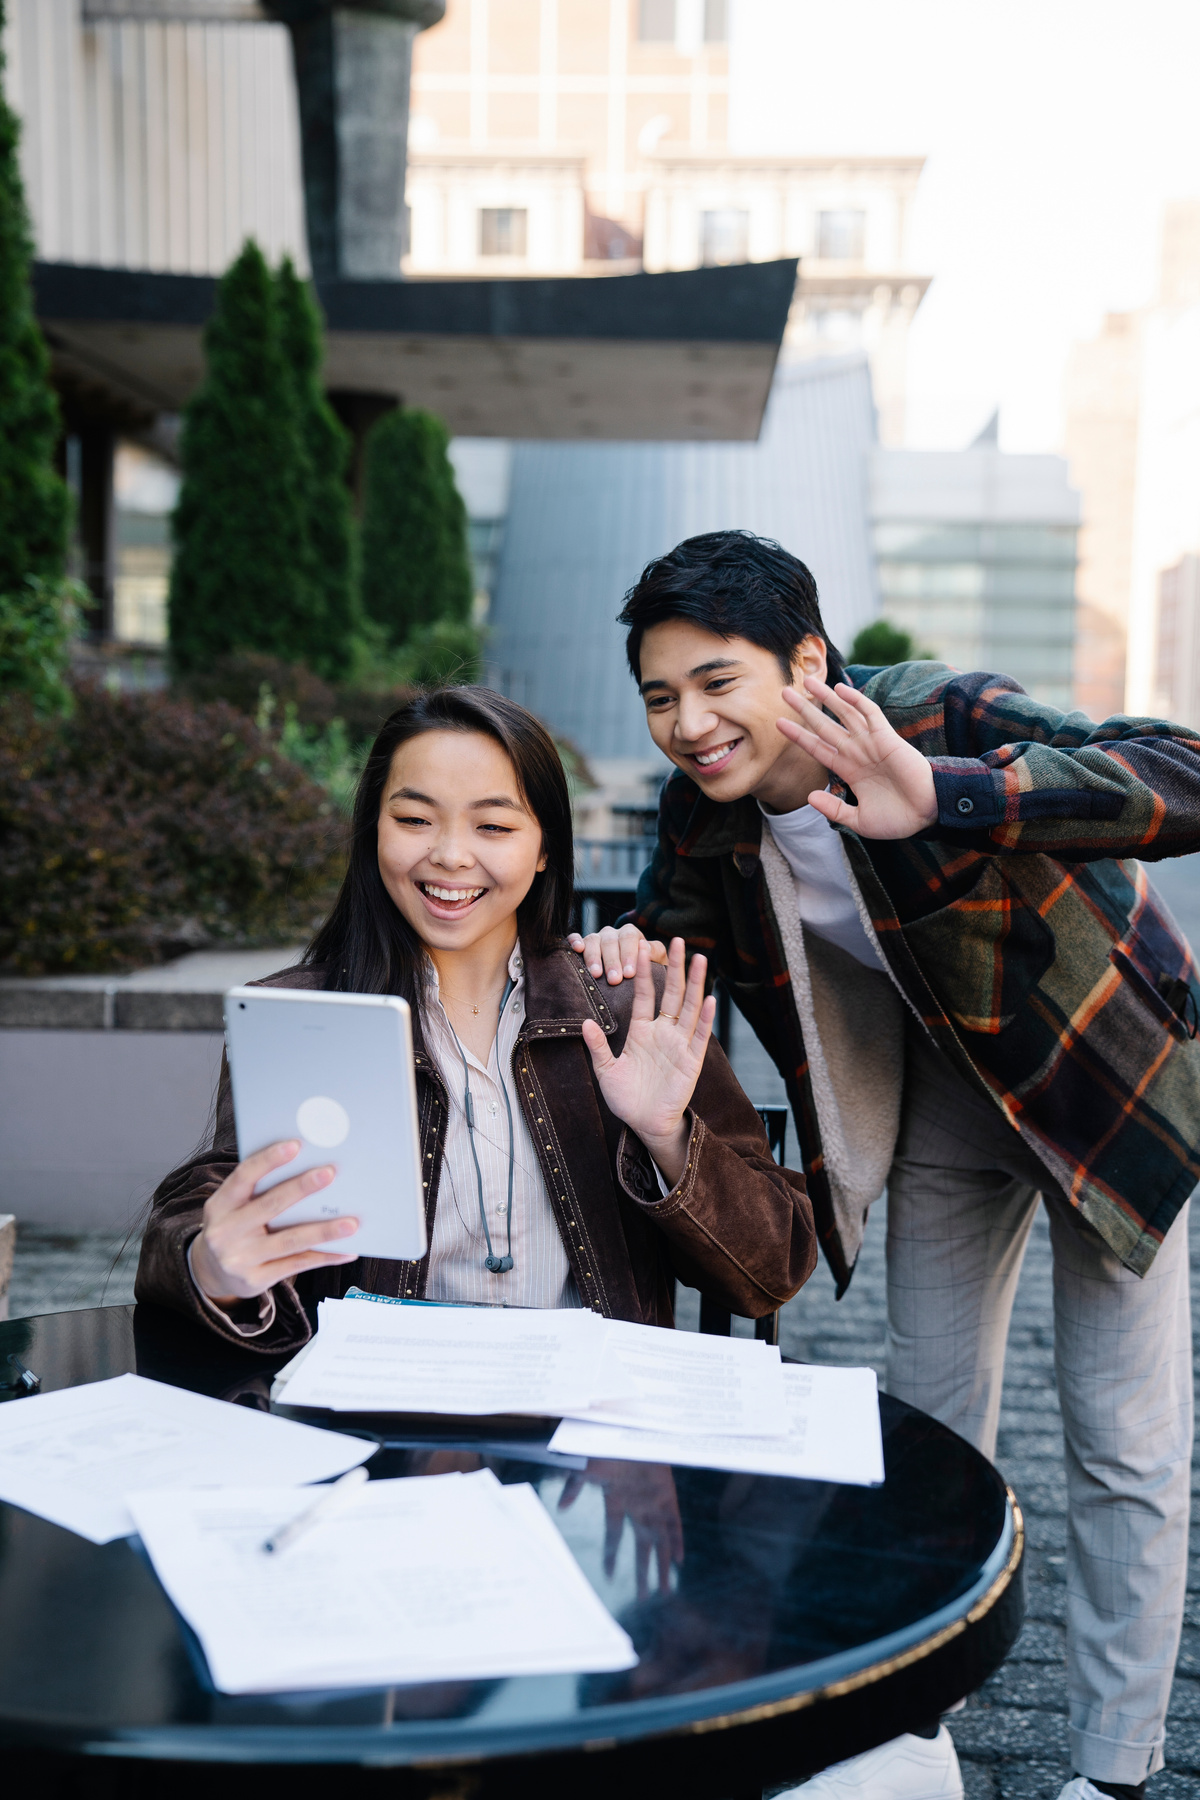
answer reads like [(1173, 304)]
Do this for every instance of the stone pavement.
[(61, 1271)]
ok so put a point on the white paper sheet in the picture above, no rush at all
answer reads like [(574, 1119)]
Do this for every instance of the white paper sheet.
[(438, 1578), (832, 1434), (72, 1455), (680, 1381), (453, 1360)]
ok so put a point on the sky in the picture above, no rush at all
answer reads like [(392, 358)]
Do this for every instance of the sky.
[(1054, 131)]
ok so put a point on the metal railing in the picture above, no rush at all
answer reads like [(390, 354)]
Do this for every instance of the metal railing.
[(610, 865)]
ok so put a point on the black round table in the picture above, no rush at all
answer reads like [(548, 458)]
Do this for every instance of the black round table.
[(806, 1622)]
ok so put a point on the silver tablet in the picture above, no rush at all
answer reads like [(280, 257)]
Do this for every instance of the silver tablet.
[(336, 1071)]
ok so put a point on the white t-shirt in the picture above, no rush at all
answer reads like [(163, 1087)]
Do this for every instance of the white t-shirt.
[(813, 853)]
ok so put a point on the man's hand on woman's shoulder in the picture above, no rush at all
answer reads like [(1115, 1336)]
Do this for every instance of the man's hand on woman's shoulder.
[(613, 952)]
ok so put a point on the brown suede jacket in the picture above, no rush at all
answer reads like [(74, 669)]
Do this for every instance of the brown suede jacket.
[(736, 1226)]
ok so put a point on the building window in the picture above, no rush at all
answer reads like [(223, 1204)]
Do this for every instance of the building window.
[(991, 595), (841, 236), (656, 21), (145, 490), (1179, 641), (839, 325), (502, 230), (716, 21), (724, 237)]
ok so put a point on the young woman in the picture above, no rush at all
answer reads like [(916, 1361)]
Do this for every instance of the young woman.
[(607, 1148)]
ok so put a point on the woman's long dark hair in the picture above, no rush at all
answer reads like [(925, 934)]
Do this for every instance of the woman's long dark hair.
[(366, 945)]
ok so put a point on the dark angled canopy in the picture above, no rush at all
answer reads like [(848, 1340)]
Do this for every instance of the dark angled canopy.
[(673, 357)]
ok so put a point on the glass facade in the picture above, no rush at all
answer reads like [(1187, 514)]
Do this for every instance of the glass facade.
[(997, 596), (841, 235), (724, 236), (502, 230), (656, 21), (145, 489), (716, 21)]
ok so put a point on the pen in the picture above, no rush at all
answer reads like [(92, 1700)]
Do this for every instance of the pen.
[(320, 1509), (24, 1380)]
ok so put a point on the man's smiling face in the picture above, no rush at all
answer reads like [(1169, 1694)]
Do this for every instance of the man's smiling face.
[(711, 705)]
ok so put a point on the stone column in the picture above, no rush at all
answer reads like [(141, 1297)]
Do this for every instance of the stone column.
[(353, 64)]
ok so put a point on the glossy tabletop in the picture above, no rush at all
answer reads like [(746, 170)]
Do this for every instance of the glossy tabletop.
[(806, 1620)]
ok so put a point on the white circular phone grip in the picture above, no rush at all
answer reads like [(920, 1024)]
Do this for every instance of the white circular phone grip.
[(323, 1121)]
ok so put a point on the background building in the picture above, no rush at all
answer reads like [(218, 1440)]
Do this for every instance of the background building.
[(1178, 648), (1132, 437), (573, 136), (157, 144), (976, 555), (1100, 438), (159, 134), (583, 520), (1166, 516)]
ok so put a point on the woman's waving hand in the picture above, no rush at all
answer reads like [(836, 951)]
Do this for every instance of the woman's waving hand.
[(648, 1087)]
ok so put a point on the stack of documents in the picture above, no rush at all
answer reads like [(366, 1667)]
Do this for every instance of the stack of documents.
[(434, 1359), (568, 1364), (73, 1455), (627, 1391), (442, 1578), (832, 1434)]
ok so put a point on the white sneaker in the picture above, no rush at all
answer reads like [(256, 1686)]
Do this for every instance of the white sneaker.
[(909, 1768), (1080, 1788)]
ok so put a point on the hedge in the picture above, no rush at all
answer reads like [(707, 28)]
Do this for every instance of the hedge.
[(145, 825)]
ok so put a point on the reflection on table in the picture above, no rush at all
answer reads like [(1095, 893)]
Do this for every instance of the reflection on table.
[(807, 1620)]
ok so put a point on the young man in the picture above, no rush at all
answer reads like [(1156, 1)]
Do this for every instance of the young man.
[(909, 884)]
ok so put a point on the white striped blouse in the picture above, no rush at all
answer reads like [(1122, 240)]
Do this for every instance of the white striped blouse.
[(541, 1274)]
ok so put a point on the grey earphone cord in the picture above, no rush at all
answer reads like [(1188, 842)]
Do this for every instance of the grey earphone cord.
[(498, 1265)]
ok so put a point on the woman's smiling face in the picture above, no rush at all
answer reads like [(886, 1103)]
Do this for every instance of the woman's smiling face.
[(458, 847)]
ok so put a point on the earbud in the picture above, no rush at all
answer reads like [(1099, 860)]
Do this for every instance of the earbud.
[(495, 1265)]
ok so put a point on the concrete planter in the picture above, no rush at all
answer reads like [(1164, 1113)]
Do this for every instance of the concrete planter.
[(106, 1084)]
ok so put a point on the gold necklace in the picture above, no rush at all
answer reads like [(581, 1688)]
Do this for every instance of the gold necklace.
[(459, 1002)]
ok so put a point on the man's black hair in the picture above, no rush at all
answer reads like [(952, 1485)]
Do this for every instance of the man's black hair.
[(732, 584)]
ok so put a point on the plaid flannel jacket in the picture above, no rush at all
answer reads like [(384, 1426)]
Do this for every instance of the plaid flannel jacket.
[(1019, 928)]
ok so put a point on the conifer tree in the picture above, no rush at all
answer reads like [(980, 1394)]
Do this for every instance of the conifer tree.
[(328, 519), (243, 577), (416, 567), (34, 505)]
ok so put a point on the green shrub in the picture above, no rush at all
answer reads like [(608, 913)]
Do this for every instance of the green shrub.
[(241, 679), (34, 506), (243, 572), (146, 824), (325, 753), (362, 704), (363, 709), (881, 643), (328, 518), (37, 624), (416, 566), (447, 650)]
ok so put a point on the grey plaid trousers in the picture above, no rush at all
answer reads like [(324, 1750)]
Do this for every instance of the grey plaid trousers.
[(962, 1195)]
